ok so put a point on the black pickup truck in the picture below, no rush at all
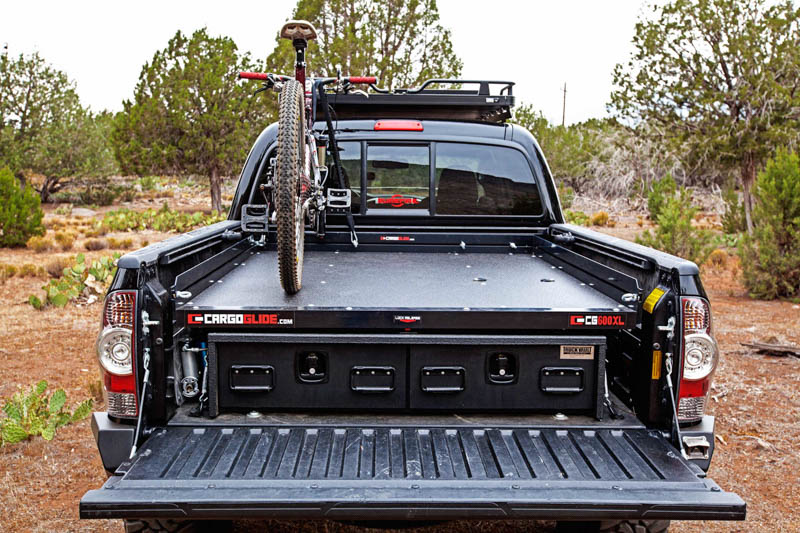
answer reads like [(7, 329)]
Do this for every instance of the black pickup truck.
[(473, 358)]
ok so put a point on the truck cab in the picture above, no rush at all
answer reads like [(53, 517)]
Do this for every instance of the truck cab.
[(473, 358)]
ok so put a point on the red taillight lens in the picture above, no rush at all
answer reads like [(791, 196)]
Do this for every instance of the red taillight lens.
[(398, 125), (699, 355), (116, 353)]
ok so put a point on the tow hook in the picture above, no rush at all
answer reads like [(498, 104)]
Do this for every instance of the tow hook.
[(696, 447)]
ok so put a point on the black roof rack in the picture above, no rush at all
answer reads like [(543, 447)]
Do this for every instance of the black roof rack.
[(423, 103)]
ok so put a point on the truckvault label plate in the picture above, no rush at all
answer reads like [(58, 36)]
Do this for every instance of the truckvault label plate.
[(577, 352)]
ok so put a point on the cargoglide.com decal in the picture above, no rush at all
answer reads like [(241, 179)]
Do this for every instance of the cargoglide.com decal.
[(240, 319)]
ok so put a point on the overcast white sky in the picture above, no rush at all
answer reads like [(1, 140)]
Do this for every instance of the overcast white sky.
[(540, 44)]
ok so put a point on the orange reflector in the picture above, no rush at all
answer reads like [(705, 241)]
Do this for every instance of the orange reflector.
[(398, 125)]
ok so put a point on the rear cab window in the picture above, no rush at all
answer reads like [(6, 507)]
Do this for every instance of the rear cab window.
[(440, 179), (476, 179)]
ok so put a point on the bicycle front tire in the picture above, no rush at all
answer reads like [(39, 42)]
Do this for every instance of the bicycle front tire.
[(291, 185)]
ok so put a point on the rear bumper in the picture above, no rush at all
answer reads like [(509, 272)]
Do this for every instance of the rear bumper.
[(401, 473), (114, 440)]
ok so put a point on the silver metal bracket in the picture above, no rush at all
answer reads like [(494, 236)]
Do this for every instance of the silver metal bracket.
[(696, 447), (338, 201), (147, 323), (669, 328)]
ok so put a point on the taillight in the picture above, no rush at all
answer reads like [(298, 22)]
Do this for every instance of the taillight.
[(700, 357), (116, 353)]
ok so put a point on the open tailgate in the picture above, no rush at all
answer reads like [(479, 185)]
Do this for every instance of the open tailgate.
[(336, 472)]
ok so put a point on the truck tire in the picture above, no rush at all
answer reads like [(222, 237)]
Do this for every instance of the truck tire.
[(176, 526), (614, 526), (292, 184), (634, 526)]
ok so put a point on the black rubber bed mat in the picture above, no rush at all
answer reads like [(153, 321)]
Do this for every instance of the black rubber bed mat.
[(409, 473)]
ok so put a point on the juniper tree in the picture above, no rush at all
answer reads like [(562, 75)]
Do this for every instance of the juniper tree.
[(720, 77), (189, 115), (43, 127)]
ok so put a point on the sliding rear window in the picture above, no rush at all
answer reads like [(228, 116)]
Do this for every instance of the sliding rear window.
[(398, 178), (474, 179)]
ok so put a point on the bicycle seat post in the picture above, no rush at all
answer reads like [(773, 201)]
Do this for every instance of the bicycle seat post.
[(300, 60), (299, 32)]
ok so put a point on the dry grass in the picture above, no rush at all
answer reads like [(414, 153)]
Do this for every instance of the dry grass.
[(65, 240), (29, 270), (125, 243), (93, 245), (719, 259), (55, 267), (40, 244), (599, 219)]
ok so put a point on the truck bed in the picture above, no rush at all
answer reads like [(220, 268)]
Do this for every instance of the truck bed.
[(338, 286)]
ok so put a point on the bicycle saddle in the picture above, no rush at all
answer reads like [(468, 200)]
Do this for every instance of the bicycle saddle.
[(298, 29)]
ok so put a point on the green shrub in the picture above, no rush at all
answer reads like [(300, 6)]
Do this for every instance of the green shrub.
[(579, 218), (164, 219), (771, 255), (65, 209), (36, 413), (660, 191), (35, 302), (566, 195), (20, 211), (733, 219), (127, 194), (675, 233), (148, 183)]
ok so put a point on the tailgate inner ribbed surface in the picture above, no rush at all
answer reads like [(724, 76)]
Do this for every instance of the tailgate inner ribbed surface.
[(183, 453)]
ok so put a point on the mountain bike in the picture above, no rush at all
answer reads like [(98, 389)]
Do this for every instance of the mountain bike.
[(297, 191)]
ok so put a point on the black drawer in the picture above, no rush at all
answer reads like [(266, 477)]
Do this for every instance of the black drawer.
[(267, 377)]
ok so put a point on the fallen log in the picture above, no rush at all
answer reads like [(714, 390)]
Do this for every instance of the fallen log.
[(773, 349)]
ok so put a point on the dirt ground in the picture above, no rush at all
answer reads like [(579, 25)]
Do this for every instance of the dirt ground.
[(756, 399)]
